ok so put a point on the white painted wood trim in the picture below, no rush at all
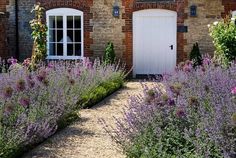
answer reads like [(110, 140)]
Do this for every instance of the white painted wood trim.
[(65, 57), (155, 12), (65, 12), (234, 14)]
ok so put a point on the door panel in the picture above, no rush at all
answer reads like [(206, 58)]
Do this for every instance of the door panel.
[(154, 31)]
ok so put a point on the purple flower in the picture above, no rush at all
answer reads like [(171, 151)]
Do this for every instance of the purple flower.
[(7, 93), (78, 73), (176, 88), (206, 61), (45, 82), (69, 70), (20, 85), (187, 68), (50, 65), (88, 64), (180, 112), (31, 83), (42, 75), (233, 91), (181, 65), (40, 78), (206, 88), (171, 102), (29, 77), (193, 101), (203, 69), (72, 81), (25, 102), (151, 93), (165, 98), (189, 63), (27, 62), (9, 108), (12, 61)]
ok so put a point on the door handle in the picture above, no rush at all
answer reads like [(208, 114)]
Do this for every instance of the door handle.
[(171, 47)]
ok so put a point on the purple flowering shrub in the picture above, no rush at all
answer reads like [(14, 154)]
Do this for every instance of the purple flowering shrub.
[(32, 102), (194, 115)]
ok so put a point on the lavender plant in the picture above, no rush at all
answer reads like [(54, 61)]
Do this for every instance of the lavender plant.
[(193, 117), (33, 102)]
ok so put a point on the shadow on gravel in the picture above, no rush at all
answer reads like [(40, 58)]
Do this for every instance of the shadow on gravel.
[(48, 149), (107, 101)]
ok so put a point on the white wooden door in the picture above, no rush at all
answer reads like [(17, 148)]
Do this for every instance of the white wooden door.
[(154, 41)]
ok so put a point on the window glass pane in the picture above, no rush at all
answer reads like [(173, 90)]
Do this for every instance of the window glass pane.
[(70, 49), (69, 21), (52, 22), (73, 39), (52, 49), (77, 22), (70, 36), (59, 49), (59, 22), (77, 35), (77, 49), (59, 35), (52, 36)]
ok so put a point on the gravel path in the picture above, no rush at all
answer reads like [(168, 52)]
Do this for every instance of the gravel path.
[(86, 138)]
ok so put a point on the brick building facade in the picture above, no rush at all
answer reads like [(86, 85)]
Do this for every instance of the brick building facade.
[(99, 25), (3, 21)]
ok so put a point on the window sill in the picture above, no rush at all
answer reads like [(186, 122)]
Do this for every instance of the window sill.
[(65, 57)]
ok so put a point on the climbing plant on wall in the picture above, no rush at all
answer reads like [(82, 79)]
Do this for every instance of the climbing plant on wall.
[(109, 55), (39, 35)]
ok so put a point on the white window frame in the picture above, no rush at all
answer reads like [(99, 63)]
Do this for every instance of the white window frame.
[(64, 12), (234, 14)]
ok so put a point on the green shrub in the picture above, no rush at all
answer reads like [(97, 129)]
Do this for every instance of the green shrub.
[(100, 92), (224, 39), (67, 119), (195, 55), (109, 55)]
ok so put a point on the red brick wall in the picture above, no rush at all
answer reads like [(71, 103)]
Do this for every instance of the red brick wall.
[(3, 4), (229, 5), (83, 5), (3, 36), (132, 5)]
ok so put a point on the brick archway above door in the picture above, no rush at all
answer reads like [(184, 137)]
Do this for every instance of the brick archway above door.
[(131, 6)]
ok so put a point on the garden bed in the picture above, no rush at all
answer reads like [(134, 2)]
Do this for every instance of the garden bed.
[(36, 104), (195, 117)]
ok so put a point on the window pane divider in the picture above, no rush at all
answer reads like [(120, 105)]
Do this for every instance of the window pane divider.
[(56, 35), (64, 35)]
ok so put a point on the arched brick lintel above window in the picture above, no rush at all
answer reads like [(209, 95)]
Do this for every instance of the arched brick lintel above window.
[(81, 5)]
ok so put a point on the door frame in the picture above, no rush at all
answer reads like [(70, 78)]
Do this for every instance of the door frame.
[(150, 13)]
